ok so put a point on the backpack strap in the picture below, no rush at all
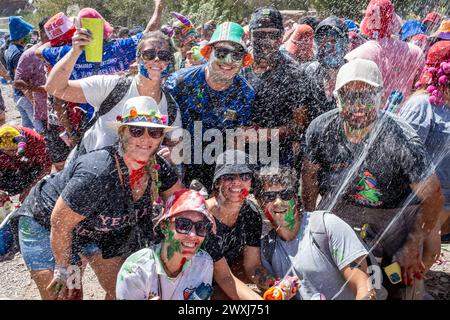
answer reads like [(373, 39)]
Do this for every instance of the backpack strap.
[(319, 234), (114, 97)]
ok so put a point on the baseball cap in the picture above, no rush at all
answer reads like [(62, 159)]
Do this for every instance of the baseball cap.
[(359, 70), (92, 13), (432, 17), (266, 17)]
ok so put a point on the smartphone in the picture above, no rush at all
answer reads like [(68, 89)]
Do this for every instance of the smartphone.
[(394, 273)]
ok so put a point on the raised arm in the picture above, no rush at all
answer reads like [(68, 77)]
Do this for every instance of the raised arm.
[(155, 21)]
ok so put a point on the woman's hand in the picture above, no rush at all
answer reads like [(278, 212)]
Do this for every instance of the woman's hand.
[(81, 38)]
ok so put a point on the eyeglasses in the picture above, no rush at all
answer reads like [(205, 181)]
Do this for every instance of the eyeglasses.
[(184, 226), (151, 54), (236, 55), (272, 35), (270, 196), (154, 133), (242, 176), (362, 97)]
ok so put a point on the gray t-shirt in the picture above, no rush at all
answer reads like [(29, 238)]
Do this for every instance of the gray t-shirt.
[(301, 257)]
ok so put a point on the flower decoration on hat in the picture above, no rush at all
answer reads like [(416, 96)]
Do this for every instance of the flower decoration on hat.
[(152, 116)]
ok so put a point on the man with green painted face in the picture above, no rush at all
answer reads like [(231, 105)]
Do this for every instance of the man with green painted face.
[(371, 169), (319, 248), (20, 35)]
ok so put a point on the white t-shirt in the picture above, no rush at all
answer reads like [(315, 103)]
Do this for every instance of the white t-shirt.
[(96, 89), (142, 276)]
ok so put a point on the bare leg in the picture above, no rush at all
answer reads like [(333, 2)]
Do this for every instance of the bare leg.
[(106, 271), (42, 278)]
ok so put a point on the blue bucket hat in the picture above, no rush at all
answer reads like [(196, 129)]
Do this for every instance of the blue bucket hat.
[(18, 28), (411, 28)]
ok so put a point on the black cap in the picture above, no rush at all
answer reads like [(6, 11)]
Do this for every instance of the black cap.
[(267, 17)]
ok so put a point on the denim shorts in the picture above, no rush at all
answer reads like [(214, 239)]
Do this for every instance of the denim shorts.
[(36, 248)]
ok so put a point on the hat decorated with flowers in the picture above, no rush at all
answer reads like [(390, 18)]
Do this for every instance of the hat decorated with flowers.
[(142, 112)]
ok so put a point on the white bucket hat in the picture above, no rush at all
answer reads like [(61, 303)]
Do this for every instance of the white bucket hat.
[(359, 70), (142, 112)]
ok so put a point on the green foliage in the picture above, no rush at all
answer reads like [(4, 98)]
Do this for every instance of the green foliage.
[(131, 13)]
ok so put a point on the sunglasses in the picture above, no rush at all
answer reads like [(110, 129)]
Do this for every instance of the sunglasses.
[(154, 133), (242, 176), (184, 226), (151, 54), (236, 55), (272, 35), (363, 97), (270, 196)]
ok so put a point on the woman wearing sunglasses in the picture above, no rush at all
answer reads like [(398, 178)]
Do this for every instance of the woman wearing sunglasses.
[(154, 56), (323, 252), (235, 248), (100, 207), (176, 269)]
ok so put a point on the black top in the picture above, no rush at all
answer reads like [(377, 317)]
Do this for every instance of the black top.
[(229, 242), (278, 92), (394, 160), (91, 187), (315, 98)]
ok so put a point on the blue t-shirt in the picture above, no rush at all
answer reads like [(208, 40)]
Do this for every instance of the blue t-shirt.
[(117, 56), (12, 56), (227, 109)]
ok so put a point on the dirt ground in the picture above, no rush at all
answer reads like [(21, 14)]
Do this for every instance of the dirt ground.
[(15, 281)]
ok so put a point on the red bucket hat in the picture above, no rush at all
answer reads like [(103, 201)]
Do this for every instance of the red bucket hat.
[(92, 13), (59, 29), (182, 201)]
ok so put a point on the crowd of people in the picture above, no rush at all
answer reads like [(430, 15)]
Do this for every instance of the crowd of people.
[(221, 161)]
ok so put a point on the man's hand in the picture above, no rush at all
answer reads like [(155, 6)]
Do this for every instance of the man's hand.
[(410, 261)]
